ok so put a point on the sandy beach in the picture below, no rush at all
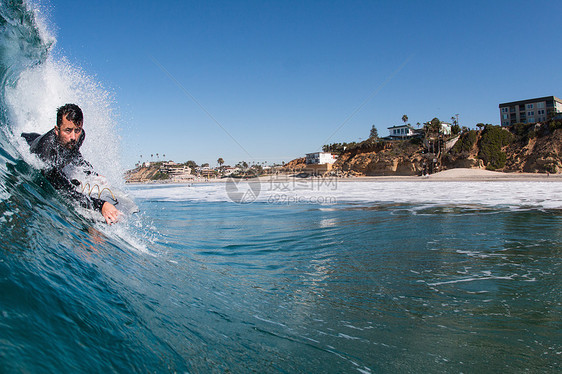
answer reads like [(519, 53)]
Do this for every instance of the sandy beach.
[(460, 174), (463, 174)]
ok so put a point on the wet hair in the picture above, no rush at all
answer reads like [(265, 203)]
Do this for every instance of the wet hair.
[(71, 112)]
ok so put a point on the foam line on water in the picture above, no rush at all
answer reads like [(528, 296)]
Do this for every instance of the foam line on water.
[(509, 194)]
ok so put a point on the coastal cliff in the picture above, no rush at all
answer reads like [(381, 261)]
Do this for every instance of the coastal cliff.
[(524, 148), (152, 172), (532, 148)]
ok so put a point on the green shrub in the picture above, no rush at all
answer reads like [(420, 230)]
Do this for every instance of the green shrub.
[(339, 148), (494, 138), (521, 129), (160, 176), (551, 168), (416, 141), (554, 125), (465, 143)]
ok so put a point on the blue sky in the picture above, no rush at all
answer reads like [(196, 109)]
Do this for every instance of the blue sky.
[(273, 80)]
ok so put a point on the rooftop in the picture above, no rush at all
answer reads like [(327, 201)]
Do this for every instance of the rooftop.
[(521, 102)]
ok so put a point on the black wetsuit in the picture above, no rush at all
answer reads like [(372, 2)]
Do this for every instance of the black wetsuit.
[(57, 158)]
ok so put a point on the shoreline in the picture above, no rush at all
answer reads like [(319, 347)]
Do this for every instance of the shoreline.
[(451, 175), (469, 175)]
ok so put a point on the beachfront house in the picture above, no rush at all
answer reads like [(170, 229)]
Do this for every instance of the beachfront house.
[(402, 132), (230, 170), (319, 163), (176, 172), (320, 158), (206, 172), (530, 110)]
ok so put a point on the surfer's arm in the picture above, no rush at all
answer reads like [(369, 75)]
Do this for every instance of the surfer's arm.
[(61, 183), (108, 210)]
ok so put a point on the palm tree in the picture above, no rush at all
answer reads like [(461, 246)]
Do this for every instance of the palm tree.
[(404, 118), (220, 161), (455, 119)]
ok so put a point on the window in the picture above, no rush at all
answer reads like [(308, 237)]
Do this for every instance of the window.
[(529, 106), (505, 110), (531, 113), (540, 105)]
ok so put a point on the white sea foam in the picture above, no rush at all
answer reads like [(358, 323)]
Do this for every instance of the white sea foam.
[(41, 90), (508, 194), (472, 279)]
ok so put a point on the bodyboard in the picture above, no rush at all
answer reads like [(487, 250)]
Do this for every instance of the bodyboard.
[(98, 187)]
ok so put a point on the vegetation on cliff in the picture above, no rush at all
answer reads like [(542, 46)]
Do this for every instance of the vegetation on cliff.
[(517, 148), (465, 144), (492, 143)]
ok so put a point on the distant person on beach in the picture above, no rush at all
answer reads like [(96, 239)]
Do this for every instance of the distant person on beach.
[(59, 148)]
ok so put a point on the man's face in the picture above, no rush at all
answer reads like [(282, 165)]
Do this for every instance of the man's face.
[(68, 133)]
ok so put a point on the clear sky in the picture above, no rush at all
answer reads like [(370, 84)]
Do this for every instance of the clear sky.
[(273, 80)]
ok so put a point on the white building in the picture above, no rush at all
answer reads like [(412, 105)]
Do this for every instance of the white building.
[(230, 170), (401, 131), (407, 131), (176, 172), (445, 128), (320, 158)]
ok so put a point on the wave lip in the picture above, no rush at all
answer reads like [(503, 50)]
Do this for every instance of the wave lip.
[(22, 44)]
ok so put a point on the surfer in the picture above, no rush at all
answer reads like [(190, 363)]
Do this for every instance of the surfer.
[(59, 148)]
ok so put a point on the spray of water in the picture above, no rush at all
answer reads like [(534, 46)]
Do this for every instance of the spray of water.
[(39, 90), (42, 89)]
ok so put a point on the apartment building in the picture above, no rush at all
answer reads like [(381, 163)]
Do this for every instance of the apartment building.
[(529, 111)]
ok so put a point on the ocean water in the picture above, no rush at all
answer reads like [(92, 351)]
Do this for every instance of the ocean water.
[(283, 276)]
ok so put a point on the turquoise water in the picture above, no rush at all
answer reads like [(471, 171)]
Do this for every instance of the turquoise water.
[(378, 277), (214, 286), (366, 287)]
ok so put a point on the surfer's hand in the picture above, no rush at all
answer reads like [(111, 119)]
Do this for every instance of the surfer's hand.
[(110, 213)]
